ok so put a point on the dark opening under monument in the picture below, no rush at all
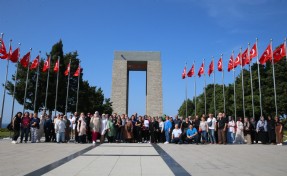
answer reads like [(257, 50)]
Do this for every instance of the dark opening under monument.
[(124, 62)]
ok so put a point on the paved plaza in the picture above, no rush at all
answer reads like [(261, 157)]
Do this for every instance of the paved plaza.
[(141, 159)]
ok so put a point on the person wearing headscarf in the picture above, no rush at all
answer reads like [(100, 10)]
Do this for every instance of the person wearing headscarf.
[(82, 128), (95, 126)]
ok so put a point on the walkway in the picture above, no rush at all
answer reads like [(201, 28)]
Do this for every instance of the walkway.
[(141, 159)]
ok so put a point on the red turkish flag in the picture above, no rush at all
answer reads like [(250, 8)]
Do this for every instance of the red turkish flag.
[(201, 70), (245, 57), (56, 67), (237, 60), (219, 65), (267, 55), (191, 71), (78, 71), (3, 51), (46, 64), (230, 63), (35, 63), (184, 73), (211, 68), (279, 52), (67, 70), (15, 55), (25, 60), (253, 52)]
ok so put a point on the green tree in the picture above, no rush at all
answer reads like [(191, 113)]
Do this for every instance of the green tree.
[(91, 98), (190, 108)]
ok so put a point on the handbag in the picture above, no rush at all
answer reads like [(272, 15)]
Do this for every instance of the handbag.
[(10, 127), (199, 130)]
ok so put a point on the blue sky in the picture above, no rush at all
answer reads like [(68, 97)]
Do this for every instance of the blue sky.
[(182, 30)]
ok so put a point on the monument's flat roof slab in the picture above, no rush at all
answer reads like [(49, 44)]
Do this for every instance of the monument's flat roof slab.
[(137, 55)]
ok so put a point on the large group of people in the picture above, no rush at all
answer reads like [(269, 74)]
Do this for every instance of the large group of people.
[(88, 128)]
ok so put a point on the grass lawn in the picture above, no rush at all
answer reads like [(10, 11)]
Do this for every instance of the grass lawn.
[(284, 135), (5, 133)]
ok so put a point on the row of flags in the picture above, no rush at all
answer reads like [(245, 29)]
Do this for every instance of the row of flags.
[(242, 59), (14, 56)]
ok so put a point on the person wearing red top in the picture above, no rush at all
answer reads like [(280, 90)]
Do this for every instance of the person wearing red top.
[(25, 127)]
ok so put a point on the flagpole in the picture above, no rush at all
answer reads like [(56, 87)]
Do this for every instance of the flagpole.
[(66, 108), (214, 86), (36, 89), (274, 83), (223, 84), (47, 85), (251, 80), (204, 90), (234, 89), (4, 92), (185, 93), (259, 82), (79, 88), (194, 90), (56, 99), (27, 77), (15, 83), (242, 84)]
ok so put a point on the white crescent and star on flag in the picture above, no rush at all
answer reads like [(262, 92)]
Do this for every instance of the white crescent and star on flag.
[(252, 52), (230, 62), (219, 64)]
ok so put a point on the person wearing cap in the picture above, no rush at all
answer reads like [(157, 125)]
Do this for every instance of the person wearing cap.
[(60, 128)]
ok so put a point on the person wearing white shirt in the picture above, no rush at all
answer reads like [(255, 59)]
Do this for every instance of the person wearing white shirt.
[(176, 135), (72, 120), (211, 121), (104, 122), (231, 130)]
